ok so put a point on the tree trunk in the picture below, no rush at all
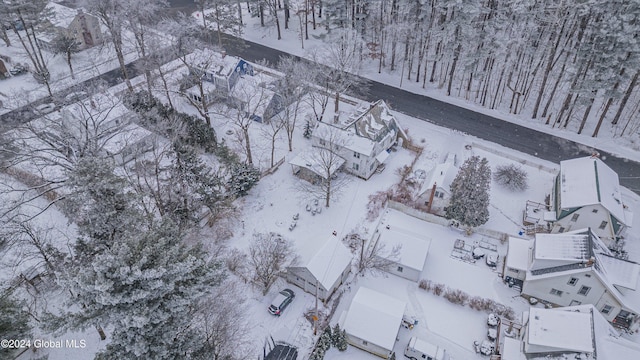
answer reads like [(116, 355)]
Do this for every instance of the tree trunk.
[(245, 131), (555, 87), (69, 63), (625, 98), (548, 68)]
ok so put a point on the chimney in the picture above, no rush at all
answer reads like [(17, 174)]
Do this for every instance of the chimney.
[(224, 53)]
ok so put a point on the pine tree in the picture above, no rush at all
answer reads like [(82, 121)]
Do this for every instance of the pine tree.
[(307, 130), (14, 322), (469, 203), (325, 340), (243, 178), (317, 354), (393, 356), (339, 338)]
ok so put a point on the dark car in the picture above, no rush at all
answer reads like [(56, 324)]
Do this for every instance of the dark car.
[(282, 300)]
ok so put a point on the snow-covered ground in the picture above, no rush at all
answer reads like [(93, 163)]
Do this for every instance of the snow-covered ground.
[(277, 197)]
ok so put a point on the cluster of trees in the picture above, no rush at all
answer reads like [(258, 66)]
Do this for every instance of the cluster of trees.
[(335, 337), (137, 266), (573, 65)]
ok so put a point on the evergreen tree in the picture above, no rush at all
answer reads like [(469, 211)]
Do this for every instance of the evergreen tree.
[(14, 322), (339, 338), (243, 178), (469, 203), (307, 130), (325, 340), (317, 354)]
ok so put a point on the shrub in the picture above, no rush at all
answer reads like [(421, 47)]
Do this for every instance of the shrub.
[(438, 289), (456, 296), (512, 177)]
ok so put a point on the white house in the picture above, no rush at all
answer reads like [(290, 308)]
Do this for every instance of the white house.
[(575, 332), (324, 272), (363, 140), (577, 268), (436, 190), (76, 23), (412, 250), (587, 193), (373, 321)]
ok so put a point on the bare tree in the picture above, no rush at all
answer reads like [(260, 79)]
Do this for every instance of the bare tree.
[(67, 46), (324, 157), (292, 89), (269, 255), (373, 257), (270, 132), (222, 319), (512, 177)]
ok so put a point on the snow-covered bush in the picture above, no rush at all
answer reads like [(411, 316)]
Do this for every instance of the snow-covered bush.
[(376, 203), (424, 284), (339, 338), (512, 177), (456, 296), (438, 289)]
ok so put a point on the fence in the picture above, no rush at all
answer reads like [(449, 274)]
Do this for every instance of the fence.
[(272, 169)]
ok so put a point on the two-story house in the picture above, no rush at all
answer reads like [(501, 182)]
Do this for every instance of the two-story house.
[(363, 140), (587, 193), (76, 23), (576, 268)]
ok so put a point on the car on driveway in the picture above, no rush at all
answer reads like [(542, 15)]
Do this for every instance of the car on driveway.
[(281, 301), (44, 109)]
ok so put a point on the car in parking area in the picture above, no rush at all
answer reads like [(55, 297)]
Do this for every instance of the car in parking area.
[(44, 109), (75, 97), (281, 301)]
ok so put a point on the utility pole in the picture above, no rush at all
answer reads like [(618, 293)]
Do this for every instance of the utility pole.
[(315, 318)]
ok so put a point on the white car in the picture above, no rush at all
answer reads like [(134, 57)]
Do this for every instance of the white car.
[(44, 109)]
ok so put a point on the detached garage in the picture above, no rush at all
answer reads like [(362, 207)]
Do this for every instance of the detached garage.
[(412, 253), (373, 321)]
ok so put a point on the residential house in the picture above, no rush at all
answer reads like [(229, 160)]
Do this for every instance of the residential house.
[(436, 190), (76, 23), (324, 272), (576, 268), (373, 321), (363, 140), (586, 193), (412, 248), (574, 332), (315, 165)]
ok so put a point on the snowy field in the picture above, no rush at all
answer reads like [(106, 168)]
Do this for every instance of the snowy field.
[(271, 205)]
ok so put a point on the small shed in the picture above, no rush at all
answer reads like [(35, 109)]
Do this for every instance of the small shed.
[(373, 321), (412, 250), (312, 164)]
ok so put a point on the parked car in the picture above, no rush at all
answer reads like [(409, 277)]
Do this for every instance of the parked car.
[(492, 260), (281, 301), (44, 109)]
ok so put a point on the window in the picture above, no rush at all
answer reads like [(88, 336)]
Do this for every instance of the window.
[(441, 195), (364, 343), (575, 217), (399, 268), (371, 167), (595, 211), (556, 292), (356, 166), (437, 194), (322, 142), (603, 225), (561, 230), (607, 309), (587, 275), (575, 302), (356, 155), (572, 281), (584, 290)]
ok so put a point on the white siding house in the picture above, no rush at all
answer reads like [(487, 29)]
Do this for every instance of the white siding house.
[(436, 190), (575, 332), (76, 23), (587, 193), (373, 321), (412, 250), (324, 272), (577, 268), (363, 140)]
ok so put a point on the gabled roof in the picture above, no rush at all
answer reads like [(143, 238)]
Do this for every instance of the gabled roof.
[(59, 15), (329, 262), (317, 160), (562, 251), (442, 175), (364, 129), (413, 248), (221, 65), (589, 181), (374, 317), (518, 253)]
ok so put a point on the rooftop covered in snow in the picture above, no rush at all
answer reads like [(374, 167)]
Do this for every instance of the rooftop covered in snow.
[(413, 249), (374, 317), (329, 262)]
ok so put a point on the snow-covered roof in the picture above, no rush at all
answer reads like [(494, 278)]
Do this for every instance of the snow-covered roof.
[(512, 349), (562, 247), (589, 181), (252, 92), (374, 317), (363, 130), (620, 272), (60, 15), (317, 160), (590, 331), (559, 331), (129, 135), (518, 253), (213, 62), (414, 248), (442, 175), (329, 262)]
